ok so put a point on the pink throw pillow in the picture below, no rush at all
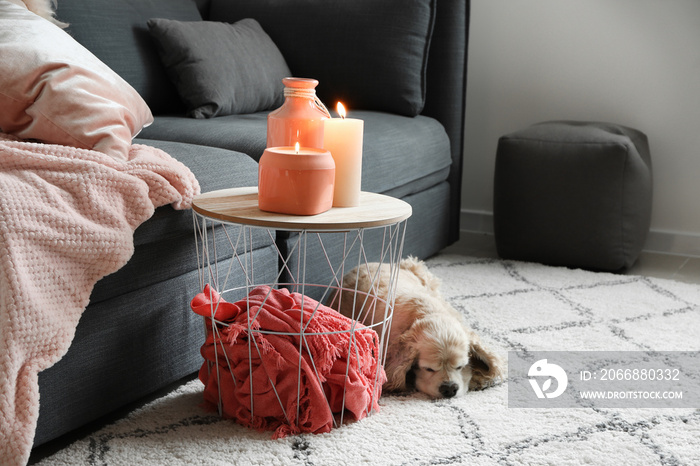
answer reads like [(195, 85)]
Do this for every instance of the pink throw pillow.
[(54, 90)]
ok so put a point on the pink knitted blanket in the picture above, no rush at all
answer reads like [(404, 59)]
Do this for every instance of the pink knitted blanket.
[(67, 218)]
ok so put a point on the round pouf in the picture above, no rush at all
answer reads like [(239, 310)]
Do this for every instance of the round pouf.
[(575, 194)]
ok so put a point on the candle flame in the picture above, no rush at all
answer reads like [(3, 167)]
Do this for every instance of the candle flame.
[(341, 110), (296, 147)]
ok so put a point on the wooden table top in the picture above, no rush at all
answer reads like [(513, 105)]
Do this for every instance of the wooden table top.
[(240, 206)]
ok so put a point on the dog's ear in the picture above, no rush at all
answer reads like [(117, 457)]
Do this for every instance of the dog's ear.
[(487, 368)]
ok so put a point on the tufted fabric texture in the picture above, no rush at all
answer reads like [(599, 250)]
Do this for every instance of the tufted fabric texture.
[(67, 218)]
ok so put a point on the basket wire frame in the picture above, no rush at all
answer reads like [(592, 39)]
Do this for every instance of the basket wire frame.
[(240, 239)]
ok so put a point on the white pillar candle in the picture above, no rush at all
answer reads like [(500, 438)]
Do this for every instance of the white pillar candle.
[(343, 138)]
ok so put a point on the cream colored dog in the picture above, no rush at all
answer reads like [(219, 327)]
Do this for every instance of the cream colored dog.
[(430, 346)]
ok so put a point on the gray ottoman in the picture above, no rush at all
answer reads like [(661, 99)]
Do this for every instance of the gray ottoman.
[(575, 194)]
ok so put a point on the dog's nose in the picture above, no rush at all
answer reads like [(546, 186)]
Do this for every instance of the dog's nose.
[(449, 389)]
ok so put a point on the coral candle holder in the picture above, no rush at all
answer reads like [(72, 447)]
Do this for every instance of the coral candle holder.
[(296, 181)]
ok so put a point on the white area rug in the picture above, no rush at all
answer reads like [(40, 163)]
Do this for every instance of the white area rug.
[(513, 306)]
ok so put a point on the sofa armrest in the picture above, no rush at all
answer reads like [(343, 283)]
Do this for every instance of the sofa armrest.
[(447, 87)]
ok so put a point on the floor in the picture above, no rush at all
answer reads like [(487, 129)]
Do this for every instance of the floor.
[(651, 264), (680, 268)]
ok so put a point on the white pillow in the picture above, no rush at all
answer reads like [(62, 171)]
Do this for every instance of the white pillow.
[(54, 90), (43, 8)]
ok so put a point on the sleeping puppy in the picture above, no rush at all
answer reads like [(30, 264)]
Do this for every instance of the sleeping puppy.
[(430, 348)]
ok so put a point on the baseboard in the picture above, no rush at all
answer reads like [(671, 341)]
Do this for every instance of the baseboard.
[(671, 242), (476, 221), (658, 241)]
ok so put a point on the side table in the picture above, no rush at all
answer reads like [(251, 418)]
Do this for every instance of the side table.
[(234, 213)]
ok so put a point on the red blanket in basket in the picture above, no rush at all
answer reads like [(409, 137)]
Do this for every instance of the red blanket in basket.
[(281, 361)]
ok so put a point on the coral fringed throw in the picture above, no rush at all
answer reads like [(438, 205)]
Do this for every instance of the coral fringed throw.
[(67, 218), (296, 378)]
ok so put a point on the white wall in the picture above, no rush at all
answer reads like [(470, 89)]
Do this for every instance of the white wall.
[(632, 62)]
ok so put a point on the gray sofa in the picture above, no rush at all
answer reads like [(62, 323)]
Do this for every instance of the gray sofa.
[(138, 334)]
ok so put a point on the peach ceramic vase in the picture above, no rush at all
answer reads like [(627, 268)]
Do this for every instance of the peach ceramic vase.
[(300, 118), (297, 181)]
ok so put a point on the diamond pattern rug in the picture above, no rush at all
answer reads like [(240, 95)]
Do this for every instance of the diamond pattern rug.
[(513, 306)]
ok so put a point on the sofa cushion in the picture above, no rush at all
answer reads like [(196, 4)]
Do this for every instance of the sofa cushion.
[(242, 133), (418, 146), (403, 155), (166, 239), (54, 90), (221, 68), (213, 167), (382, 68), (116, 32)]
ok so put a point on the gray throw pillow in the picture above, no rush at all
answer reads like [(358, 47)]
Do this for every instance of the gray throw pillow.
[(220, 68)]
